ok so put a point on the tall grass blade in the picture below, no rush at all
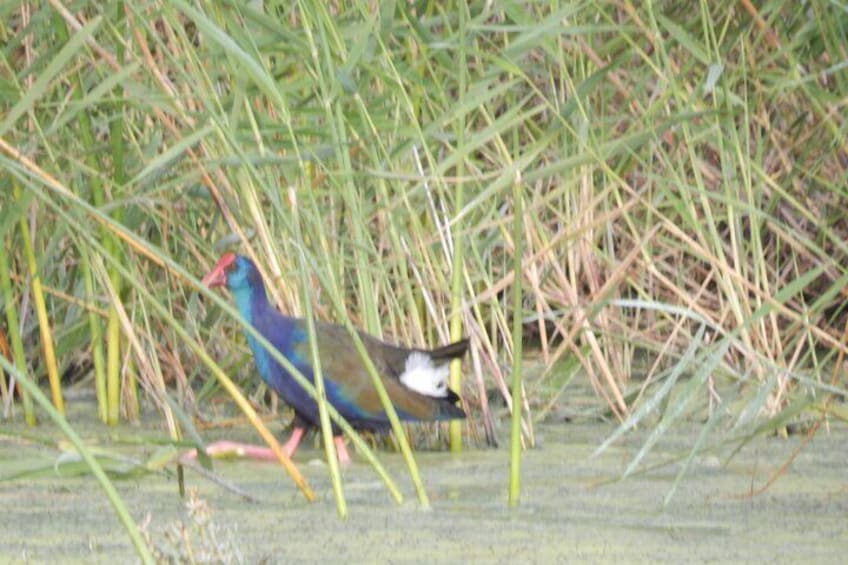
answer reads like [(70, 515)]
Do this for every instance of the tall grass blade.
[(44, 325), (456, 237), (95, 329), (517, 338)]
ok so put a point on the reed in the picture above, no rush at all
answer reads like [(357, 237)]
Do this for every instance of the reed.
[(516, 390)]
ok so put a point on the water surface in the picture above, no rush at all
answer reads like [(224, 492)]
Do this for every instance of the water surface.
[(563, 517)]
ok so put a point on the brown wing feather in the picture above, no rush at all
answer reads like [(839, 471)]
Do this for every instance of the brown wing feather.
[(341, 363)]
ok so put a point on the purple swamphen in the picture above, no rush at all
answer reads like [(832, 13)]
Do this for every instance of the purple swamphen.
[(415, 379)]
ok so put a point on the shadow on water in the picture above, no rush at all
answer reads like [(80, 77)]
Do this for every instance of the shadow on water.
[(563, 517)]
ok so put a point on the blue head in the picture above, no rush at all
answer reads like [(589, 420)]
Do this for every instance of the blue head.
[(241, 276)]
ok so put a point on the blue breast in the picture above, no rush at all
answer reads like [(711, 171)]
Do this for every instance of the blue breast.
[(289, 339)]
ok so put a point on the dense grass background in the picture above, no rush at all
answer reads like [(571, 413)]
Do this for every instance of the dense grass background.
[(682, 171)]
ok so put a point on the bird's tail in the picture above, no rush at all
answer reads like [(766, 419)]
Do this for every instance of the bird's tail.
[(448, 409), (447, 352)]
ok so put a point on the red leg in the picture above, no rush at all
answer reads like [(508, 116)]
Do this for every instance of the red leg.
[(226, 448), (341, 450), (294, 440)]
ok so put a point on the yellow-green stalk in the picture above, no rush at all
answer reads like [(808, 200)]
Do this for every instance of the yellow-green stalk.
[(323, 61), (4, 350), (96, 330), (517, 318), (113, 331), (132, 409), (113, 366), (457, 266), (41, 313)]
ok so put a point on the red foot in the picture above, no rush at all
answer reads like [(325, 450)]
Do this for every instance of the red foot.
[(294, 440), (341, 451), (224, 448)]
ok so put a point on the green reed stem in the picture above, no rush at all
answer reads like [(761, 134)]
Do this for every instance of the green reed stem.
[(517, 319), (119, 175), (113, 367), (41, 313), (457, 264), (95, 327)]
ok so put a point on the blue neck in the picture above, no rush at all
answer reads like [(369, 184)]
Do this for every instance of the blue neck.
[(252, 303), (250, 299), (244, 301)]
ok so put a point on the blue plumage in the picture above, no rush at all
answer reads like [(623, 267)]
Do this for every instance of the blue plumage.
[(415, 379)]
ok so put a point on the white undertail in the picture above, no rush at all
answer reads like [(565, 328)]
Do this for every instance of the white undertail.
[(421, 375)]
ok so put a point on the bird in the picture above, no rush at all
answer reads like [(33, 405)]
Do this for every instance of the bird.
[(416, 380)]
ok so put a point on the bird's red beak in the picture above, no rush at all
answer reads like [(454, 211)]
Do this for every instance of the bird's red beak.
[(218, 275)]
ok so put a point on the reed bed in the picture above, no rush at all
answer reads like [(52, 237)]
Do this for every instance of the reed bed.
[(650, 199)]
